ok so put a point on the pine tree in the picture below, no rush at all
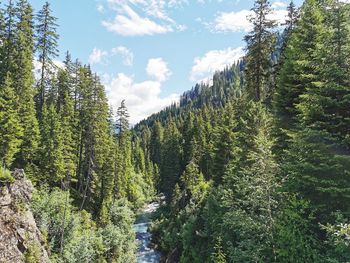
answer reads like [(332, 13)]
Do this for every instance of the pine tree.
[(294, 239), (10, 129), (52, 162), (46, 47), (8, 47), (170, 167), (218, 256), (324, 106), (317, 162), (299, 67), (188, 133), (250, 194), (24, 86), (193, 184), (65, 109), (124, 184), (157, 134), (122, 123), (260, 43), (2, 26), (124, 160), (139, 158), (226, 143), (293, 16)]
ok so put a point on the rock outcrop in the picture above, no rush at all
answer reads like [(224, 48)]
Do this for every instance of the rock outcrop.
[(20, 239)]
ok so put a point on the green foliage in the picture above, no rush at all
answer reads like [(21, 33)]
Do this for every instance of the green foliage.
[(299, 69), (245, 180), (33, 253), (24, 86), (52, 159), (46, 47), (260, 43), (10, 129), (338, 236), (170, 159), (218, 256), (156, 142), (5, 175), (76, 148), (83, 240), (318, 170), (295, 240), (270, 189)]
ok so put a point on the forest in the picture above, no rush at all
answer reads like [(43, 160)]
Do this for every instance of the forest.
[(254, 167)]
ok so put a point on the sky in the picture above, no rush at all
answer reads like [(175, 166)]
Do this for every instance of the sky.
[(149, 52)]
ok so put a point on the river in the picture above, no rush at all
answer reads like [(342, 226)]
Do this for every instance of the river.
[(146, 254)]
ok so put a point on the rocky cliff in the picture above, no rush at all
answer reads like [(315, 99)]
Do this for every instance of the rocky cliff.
[(20, 239)]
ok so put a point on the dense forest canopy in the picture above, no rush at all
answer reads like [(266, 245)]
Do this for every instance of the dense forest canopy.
[(90, 176), (255, 167)]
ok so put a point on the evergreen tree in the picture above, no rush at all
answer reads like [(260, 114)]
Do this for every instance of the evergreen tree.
[(320, 168), (46, 48), (218, 256), (324, 105), (10, 128), (299, 67), (294, 239), (250, 196), (65, 109), (260, 43), (122, 118), (2, 26), (170, 159), (188, 133), (24, 86), (8, 47), (293, 16), (52, 162), (226, 148), (156, 142)]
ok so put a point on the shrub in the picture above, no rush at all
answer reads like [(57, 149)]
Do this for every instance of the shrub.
[(5, 176)]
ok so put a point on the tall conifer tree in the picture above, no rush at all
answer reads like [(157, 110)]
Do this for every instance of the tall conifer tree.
[(24, 85), (260, 44), (10, 128), (46, 48)]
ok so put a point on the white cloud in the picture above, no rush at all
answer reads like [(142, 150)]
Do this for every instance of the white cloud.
[(158, 68), (131, 24), (225, 22), (280, 16), (150, 18), (233, 21), (142, 99), (279, 4), (97, 56), (128, 56), (213, 61)]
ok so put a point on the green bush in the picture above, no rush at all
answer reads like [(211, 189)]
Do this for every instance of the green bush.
[(32, 255), (5, 176), (84, 241)]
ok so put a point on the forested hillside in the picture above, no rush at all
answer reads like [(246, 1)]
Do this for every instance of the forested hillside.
[(256, 166), (90, 177)]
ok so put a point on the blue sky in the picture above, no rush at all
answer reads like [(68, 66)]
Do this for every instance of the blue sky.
[(150, 51)]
